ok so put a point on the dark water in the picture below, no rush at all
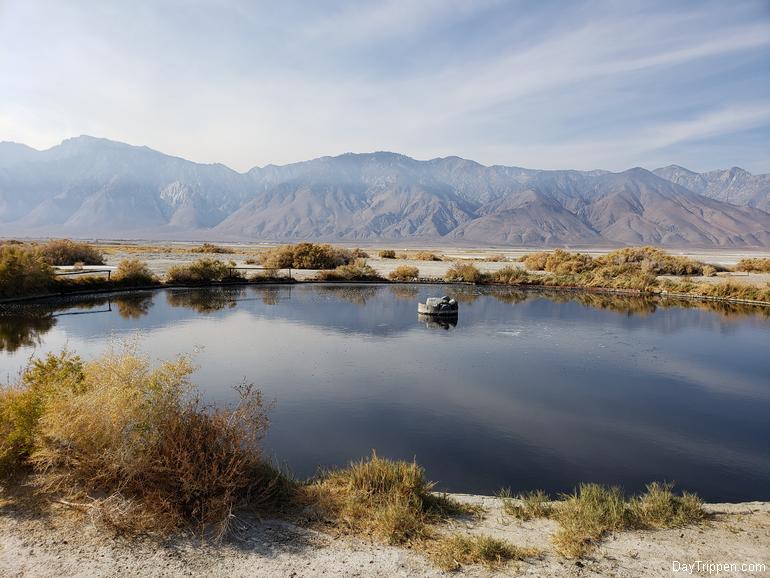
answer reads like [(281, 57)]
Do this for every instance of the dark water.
[(526, 391)]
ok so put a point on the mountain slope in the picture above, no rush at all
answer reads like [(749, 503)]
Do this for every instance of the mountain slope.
[(735, 186), (95, 187)]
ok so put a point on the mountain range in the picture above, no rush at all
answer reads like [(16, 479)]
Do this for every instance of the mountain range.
[(91, 187)]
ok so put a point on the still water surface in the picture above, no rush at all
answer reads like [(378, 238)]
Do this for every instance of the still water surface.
[(526, 391)]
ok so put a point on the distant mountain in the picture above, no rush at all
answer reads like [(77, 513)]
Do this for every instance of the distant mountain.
[(87, 187), (735, 185)]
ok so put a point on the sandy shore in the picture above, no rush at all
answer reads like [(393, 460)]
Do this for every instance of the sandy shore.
[(55, 546)]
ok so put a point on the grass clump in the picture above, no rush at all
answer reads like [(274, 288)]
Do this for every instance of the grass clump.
[(204, 270), (512, 276), (387, 499), (212, 248), (387, 254), (467, 272), (23, 271), (67, 252), (754, 265), (135, 444), (404, 273), (527, 506), (356, 271), (453, 552), (723, 290), (427, 256), (306, 256), (590, 513), (133, 272), (659, 507), (586, 516)]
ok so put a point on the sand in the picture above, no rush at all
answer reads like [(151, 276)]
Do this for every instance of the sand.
[(54, 546)]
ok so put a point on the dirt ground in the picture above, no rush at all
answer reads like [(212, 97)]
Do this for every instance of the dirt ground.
[(54, 546)]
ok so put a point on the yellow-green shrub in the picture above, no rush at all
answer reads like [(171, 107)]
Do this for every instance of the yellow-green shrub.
[(754, 265), (138, 441), (387, 254), (22, 406), (404, 273), (23, 271), (467, 272), (356, 271), (68, 252), (204, 270), (306, 256), (133, 272)]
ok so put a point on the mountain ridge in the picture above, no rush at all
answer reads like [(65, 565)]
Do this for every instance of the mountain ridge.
[(89, 186)]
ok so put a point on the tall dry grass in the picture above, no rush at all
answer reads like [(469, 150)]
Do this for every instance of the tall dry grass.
[(135, 444)]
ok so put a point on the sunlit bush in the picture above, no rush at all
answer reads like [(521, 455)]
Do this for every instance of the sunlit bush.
[(204, 270), (404, 273), (67, 252), (23, 271), (306, 256), (133, 272)]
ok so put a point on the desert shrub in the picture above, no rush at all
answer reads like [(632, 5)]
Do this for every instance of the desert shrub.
[(404, 273), (67, 252), (204, 270), (356, 271), (137, 440), (653, 260), (497, 258), (22, 405), (733, 290), (359, 253), (306, 256), (211, 248), (387, 499), (23, 271), (387, 254), (754, 265), (559, 261), (467, 272), (535, 261), (709, 271), (452, 552), (526, 506), (133, 272), (426, 256), (512, 276), (624, 276)]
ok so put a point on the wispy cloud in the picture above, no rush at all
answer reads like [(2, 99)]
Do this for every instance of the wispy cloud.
[(587, 84)]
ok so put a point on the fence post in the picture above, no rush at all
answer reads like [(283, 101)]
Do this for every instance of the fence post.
[(108, 277)]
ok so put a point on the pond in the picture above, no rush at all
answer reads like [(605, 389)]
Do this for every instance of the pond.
[(526, 390)]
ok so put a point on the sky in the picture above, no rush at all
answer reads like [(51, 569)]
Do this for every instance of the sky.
[(540, 84)]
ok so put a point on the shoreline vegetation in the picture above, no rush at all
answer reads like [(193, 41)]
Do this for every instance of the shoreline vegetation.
[(132, 446), (29, 271)]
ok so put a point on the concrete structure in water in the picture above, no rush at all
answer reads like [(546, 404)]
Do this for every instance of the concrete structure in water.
[(444, 306)]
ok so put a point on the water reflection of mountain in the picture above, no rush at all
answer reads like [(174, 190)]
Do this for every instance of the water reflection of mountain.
[(367, 309)]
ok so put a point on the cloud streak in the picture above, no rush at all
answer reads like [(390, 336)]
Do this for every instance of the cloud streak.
[(592, 84)]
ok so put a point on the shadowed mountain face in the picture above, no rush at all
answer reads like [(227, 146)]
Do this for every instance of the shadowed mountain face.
[(96, 187)]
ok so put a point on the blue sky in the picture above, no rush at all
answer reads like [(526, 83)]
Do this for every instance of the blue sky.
[(541, 84)]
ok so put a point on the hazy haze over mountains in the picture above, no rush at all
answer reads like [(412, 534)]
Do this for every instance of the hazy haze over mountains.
[(89, 187)]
